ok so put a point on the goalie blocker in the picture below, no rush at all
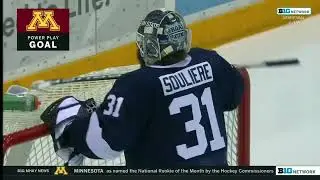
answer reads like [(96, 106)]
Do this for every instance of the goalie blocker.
[(158, 115)]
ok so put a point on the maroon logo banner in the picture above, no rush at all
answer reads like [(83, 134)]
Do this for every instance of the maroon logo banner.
[(43, 29)]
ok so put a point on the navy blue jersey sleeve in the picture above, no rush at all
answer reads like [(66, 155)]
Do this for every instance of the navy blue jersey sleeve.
[(116, 124), (123, 114), (229, 81)]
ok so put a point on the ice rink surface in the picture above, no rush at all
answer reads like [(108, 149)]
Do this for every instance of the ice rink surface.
[(285, 111), (285, 102)]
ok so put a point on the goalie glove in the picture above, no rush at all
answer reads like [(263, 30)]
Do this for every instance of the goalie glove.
[(59, 116)]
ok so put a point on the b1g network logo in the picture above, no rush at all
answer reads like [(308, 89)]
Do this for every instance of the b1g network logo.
[(298, 170), (294, 11), (43, 29), (294, 15)]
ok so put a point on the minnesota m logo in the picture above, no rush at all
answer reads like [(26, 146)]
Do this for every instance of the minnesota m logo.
[(61, 171), (43, 19)]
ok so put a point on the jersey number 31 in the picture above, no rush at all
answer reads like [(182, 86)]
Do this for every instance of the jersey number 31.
[(194, 124)]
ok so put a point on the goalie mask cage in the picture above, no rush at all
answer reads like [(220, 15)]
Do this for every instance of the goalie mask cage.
[(27, 141)]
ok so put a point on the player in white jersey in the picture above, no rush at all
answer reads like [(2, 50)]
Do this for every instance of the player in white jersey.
[(168, 113)]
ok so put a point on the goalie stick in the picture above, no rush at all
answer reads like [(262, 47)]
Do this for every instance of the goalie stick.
[(39, 85), (278, 63)]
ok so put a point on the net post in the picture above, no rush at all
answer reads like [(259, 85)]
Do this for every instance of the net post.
[(244, 122), (25, 135)]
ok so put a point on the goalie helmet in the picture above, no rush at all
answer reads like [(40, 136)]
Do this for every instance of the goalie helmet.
[(160, 34)]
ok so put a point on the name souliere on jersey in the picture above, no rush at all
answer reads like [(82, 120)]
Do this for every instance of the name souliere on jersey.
[(187, 78)]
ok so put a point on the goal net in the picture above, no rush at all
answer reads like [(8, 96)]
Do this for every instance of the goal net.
[(27, 141)]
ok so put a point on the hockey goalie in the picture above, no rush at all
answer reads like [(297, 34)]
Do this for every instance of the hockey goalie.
[(168, 113)]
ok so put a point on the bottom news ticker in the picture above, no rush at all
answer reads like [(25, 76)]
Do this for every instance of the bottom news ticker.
[(209, 171)]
